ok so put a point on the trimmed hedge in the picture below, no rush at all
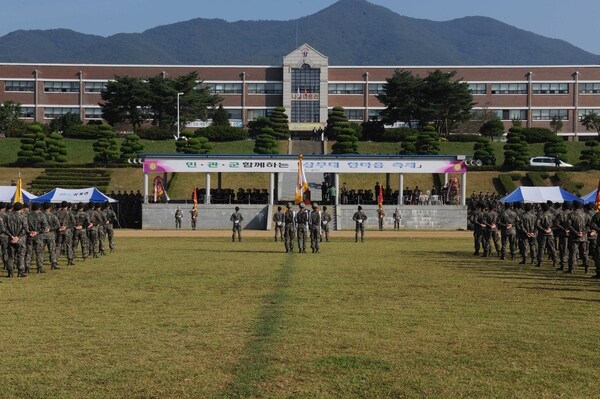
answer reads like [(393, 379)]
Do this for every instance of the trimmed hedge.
[(507, 182)]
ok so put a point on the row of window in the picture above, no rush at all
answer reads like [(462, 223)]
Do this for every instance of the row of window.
[(310, 87)]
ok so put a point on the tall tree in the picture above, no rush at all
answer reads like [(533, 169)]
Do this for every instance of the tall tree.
[(65, 122), (435, 99), (516, 149), (125, 100), (483, 151), (591, 121), (266, 143), (428, 141), (33, 146), (556, 147), (57, 149), (131, 146)]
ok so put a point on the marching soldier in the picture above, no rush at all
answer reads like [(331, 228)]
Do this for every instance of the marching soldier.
[(289, 219), (301, 227), (278, 223)]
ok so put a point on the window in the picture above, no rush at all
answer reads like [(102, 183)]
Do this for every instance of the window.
[(589, 88), (94, 87), (224, 88), (549, 114), (257, 113), (305, 94), (19, 85), (56, 112), (93, 113), (61, 87), (265, 88), (374, 114), (346, 88), (509, 88), (376, 88), (550, 88), (27, 112), (511, 114), (235, 113), (354, 114), (477, 88), (584, 112)]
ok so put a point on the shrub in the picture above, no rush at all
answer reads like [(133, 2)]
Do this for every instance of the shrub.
[(464, 138), (85, 132), (537, 134), (222, 133), (506, 180), (155, 133)]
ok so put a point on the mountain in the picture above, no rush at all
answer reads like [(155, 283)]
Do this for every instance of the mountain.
[(349, 32)]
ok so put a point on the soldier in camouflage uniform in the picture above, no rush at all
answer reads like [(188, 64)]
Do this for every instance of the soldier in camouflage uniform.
[(236, 218), (101, 228), (49, 237), (289, 219), (545, 224), (595, 226), (360, 219), (301, 227), (507, 222), (590, 211), (561, 222), (325, 223), (314, 223), (37, 226), (528, 226), (82, 222), (64, 236), (577, 237), (16, 231), (111, 219), (92, 231), (3, 236), (278, 223)]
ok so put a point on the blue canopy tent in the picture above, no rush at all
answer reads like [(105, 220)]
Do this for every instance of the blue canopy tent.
[(540, 195), (7, 194), (590, 197), (85, 195)]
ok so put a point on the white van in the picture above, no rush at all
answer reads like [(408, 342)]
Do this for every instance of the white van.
[(548, 162)]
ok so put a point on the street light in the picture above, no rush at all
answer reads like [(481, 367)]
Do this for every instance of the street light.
[(178, 94)]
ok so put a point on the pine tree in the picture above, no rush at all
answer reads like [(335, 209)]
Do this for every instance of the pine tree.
[(336, 123), (57, 149), (556, 147), (428, 142), (192, 143), (106, 146), (220, 117), (484, 152), (280, 123), (33, 146), (516, 149), (131, 147), (266, 143)]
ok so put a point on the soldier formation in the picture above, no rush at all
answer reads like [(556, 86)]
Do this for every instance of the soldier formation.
[(563, 234), (50, 233)]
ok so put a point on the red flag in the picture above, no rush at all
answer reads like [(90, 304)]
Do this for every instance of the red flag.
[(380, 197), (598, 198)]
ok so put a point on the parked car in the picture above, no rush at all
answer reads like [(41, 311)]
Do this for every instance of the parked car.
[(548, 162)]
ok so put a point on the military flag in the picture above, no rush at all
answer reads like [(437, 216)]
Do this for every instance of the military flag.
[(380, 196), (195, 198), (302, 185), (19, 191)]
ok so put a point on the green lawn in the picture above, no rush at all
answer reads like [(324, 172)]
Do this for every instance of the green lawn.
[(207, 318)]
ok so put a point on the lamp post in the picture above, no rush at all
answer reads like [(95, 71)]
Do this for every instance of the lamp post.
[(178, 94)]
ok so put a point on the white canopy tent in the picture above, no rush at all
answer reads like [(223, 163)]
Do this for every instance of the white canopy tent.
[(58, 195), (7, 194)]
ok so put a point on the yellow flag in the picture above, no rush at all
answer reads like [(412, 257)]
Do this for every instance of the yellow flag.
[(19, 191)]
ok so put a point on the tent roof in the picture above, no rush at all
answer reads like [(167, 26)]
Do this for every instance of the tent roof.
[(540, 194), (7, 194), (58, 195), (589, 197)]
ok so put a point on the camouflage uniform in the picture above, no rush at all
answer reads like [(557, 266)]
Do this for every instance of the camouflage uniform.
[(49, 237), (325, 223), (16, 231), (111, 219), (528, 228), (82, 221), (92, 231), (64, 236), (577, 237), (37, 226), (359, 218), (545, 225), (301, 227), (289, 219), (236, 218), (314, 223)]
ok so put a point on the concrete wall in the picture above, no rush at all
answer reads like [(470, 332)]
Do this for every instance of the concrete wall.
[(258, 217), (162, 216)]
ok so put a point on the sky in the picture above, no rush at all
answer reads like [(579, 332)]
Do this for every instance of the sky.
[(574, 21)]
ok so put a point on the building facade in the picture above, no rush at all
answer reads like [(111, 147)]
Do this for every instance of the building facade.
[(308, 88)]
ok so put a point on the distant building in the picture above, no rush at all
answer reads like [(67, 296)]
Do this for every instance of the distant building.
[(308, 87)]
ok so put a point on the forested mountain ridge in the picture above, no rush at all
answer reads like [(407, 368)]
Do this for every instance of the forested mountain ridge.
[(349, 32)]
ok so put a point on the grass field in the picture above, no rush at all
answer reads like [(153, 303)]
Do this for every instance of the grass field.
[(192, 315)]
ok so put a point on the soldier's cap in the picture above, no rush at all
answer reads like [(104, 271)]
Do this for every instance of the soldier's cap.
[(18, 206), (237, 208), (80, 205), (35, 206), (301, 205), (64, 204), (288, 205), (360, 208), (315, 205), (2, 205), (46, 205), (324, 208), (278, 208)]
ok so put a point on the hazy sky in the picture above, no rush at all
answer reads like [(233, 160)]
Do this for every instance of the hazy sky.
[(574, 21)]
